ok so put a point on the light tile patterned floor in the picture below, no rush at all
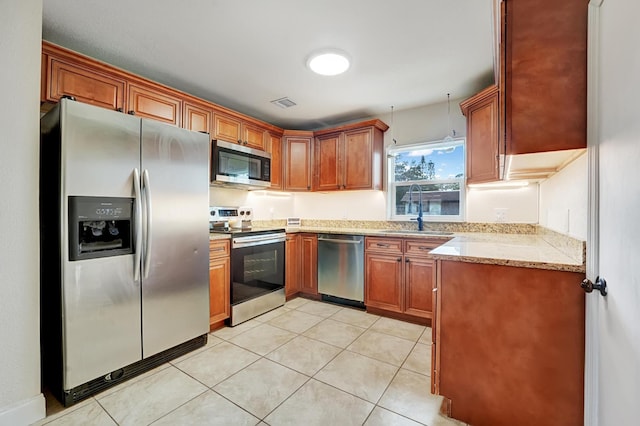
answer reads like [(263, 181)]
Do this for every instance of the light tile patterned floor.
[(307, 363)]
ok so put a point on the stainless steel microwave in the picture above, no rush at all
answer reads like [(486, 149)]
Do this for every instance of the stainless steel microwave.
[(239, 166)]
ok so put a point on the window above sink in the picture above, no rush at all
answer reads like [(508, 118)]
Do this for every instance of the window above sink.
[(438, 169)]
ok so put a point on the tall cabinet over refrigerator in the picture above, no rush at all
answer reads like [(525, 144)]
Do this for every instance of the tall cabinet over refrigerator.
[(124, 246)]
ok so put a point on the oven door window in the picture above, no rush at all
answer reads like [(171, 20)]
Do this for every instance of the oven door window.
[(256, 271)]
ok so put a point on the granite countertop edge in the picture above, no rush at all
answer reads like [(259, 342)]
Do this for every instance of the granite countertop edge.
[(491, 240)]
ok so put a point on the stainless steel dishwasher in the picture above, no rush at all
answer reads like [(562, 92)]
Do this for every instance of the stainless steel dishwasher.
[(341, 268)]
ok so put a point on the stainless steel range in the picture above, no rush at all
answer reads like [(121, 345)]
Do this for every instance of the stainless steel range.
[(257, 263)]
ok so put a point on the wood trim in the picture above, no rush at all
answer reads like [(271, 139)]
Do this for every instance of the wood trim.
[(483, 95), (402, 317), (378, 124), (60, 52), (298, 133)]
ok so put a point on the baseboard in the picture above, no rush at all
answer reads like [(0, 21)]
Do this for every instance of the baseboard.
[(24, 412)]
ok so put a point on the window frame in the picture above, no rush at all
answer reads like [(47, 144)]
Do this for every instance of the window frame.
[(392, 184)]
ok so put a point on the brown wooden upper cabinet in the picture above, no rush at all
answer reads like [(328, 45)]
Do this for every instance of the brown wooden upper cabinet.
[(84, 84), (197, 117), (544, 74), (483, 141), (233, 129), (273, 145), (155, 103), (540, 102), (349, 157), (297, 160)]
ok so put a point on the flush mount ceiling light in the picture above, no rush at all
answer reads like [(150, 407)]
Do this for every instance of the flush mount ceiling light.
[(328, 62)]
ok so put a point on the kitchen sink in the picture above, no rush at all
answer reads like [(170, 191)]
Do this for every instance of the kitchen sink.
[(415, 231)]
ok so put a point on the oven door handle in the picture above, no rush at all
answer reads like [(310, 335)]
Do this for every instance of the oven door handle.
[(257, 240)]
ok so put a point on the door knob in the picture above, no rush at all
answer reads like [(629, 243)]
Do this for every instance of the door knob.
[(600, 285)]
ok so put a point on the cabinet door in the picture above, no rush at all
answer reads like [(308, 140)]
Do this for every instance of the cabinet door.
[(219, 288), (197, 118), (358, 159), (383, 281), (545, 46), (482, 136), (226, 128), (274, 147), (327, 163), (155, 104), (297, 168), (418, 282), (253, 136), (292, 268), (309, 263), (85, 85)]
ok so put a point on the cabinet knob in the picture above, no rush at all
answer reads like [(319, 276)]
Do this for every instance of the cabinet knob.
[(131, 112), (406, 260), (240, 141), (308, 188), (119, 109), (399, 259), (245, 143)]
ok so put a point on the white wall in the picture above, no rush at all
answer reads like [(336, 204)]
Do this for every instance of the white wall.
[(505, 205), (21, 401), (422, 124), (563, 200)]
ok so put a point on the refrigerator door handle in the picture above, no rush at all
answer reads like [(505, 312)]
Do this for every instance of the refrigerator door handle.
[(138, 223), (147, 245)]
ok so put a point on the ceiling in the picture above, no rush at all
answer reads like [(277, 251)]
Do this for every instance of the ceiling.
[(243, 54)]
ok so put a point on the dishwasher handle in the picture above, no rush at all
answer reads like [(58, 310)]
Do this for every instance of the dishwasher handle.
[(333, 240)]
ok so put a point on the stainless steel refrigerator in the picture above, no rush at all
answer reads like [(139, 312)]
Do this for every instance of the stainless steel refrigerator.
[(124, 246)]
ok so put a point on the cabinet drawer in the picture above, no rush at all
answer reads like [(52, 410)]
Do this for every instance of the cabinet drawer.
[(385, 245), (218, 248), (421, 247)]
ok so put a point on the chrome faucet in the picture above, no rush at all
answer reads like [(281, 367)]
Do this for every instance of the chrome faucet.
[(419, 218)]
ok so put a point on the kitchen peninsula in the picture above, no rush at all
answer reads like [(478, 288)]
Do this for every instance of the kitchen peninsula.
[(507, 319)]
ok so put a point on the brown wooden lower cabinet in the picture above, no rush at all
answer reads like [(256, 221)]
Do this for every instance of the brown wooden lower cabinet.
[(219, 282), (292, 266), (509, 344), (399, 276), (309, 264), (301, 265)]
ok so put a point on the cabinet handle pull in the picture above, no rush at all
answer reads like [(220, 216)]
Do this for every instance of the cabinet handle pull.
[(382, 245), (435, 290), (424, 248), (218, 249)]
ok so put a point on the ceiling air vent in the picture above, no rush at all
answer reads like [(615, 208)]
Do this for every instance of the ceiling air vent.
[(284, 102)]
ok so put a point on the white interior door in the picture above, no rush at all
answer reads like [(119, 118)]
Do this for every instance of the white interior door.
[(612, 391)]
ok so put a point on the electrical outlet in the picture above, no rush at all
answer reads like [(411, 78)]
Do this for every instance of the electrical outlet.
[(500, 214)]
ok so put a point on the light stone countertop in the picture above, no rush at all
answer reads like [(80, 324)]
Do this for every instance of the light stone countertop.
[(521, 250), (528, 251)]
